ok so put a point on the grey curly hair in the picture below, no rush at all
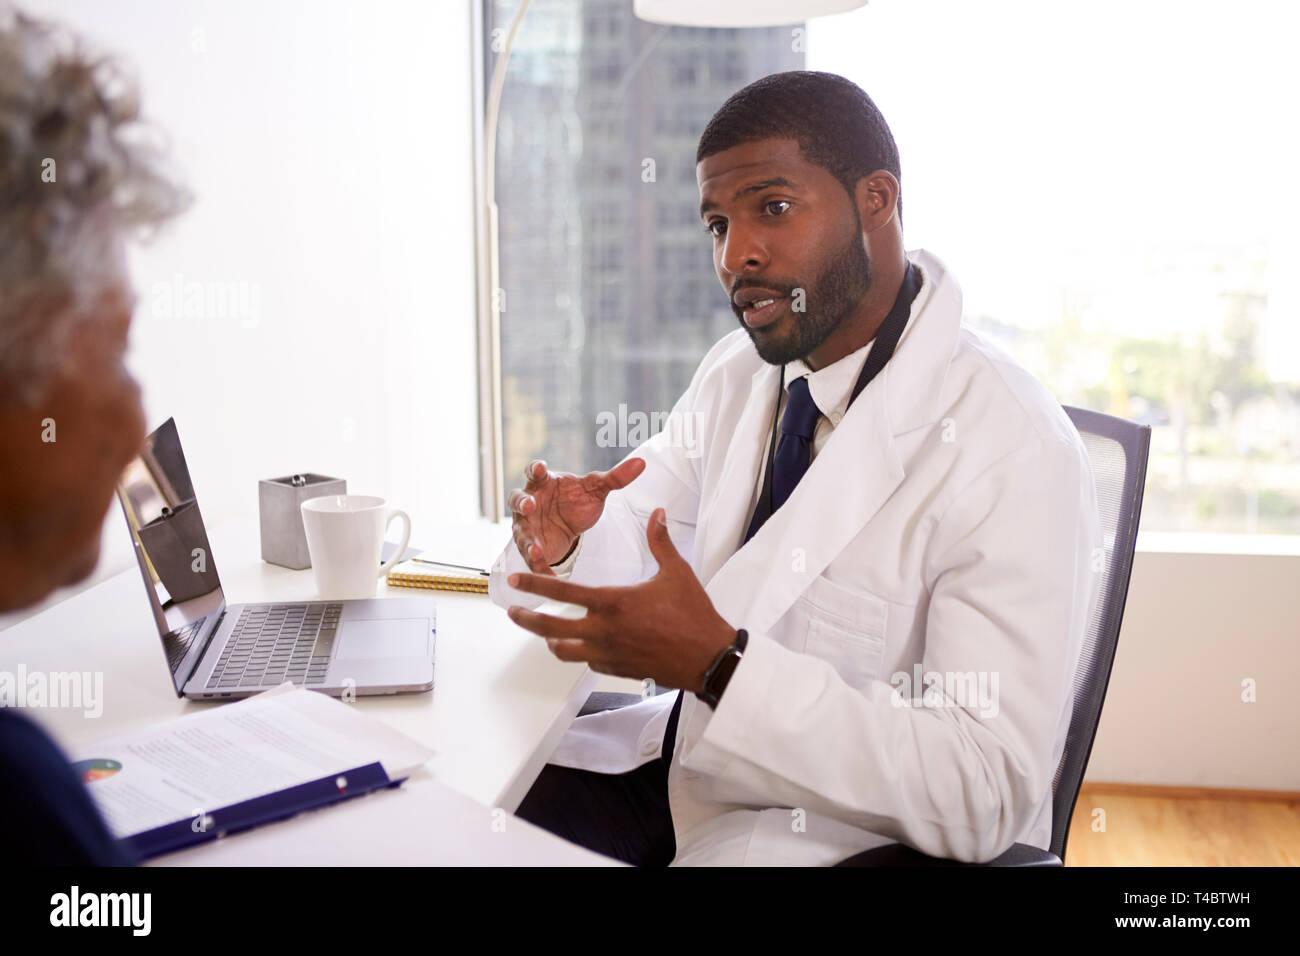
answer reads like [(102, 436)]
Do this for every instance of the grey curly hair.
[(78, 168)]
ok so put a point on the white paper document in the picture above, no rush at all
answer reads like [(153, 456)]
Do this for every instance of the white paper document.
[(190, 766)]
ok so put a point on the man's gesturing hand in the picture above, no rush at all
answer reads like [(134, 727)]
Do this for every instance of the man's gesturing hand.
[(554, 507), (665, 628)]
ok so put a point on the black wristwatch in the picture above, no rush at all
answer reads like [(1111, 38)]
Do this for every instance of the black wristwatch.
[(720, 671)]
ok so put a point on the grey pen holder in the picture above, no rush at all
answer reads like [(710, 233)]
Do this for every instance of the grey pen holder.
[(280, 509)]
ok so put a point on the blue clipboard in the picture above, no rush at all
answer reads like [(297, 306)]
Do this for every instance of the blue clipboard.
[(267, 808)]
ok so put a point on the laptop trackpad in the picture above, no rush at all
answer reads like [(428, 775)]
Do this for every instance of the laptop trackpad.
[(401, 637)]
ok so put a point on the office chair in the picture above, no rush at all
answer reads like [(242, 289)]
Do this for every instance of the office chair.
[(1118, 451)]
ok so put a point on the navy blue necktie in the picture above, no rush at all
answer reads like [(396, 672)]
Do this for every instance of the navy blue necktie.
[(792, 458), (794, 452)]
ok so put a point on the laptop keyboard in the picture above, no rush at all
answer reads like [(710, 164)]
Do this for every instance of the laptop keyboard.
[(274, 643)]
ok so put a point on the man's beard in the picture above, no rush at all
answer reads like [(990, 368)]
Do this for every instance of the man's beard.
[(832, 298)]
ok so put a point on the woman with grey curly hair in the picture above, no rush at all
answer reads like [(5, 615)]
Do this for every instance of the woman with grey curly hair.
[(80, 175)]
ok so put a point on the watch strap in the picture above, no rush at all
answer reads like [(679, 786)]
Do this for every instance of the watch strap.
[(724, 665)]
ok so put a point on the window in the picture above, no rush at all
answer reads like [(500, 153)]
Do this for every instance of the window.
[(611, 300), (1114, 187)]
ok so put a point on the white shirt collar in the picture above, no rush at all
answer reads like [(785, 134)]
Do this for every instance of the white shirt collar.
[(831, 386)]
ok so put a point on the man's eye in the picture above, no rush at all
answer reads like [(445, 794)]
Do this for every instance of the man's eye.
[(717, 227), (776, 202)]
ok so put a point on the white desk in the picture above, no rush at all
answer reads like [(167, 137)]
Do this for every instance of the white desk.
[(499, 706)]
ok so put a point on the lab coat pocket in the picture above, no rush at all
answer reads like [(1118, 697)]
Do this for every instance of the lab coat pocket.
[(846, 628)]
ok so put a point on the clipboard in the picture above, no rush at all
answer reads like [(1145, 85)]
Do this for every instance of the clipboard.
[(261, 810)]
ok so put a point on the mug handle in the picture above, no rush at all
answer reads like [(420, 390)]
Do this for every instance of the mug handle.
[(401, 548)]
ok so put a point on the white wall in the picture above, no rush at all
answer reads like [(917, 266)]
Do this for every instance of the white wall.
[(1195, 627), (328, 145)]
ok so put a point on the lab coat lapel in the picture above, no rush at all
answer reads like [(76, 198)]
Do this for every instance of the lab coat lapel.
[(728, 509), (848, 481)]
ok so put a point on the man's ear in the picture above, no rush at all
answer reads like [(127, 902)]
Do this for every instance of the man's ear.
[(876, 196)]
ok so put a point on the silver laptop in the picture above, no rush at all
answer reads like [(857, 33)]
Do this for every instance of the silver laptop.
[(217, 650)]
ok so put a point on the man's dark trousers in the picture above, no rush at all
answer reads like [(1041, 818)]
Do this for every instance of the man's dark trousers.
[(623, 815)]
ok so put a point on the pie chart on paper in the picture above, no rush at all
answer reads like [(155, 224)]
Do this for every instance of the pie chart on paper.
[(96, 768)]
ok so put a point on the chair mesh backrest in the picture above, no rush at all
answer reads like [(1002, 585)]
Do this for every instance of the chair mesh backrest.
[(1118, 452)]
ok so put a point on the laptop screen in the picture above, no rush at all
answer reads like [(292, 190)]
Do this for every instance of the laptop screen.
[(171, 546)]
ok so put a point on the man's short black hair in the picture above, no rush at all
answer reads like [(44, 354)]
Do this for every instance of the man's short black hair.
[(834, 121)]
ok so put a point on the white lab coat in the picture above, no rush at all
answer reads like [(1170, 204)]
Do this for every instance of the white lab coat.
[(950, 522)]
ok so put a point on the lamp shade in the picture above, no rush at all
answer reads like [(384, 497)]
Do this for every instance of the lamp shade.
[(739, 13)]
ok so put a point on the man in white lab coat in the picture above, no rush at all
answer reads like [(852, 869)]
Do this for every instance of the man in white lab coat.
[(873, 611)]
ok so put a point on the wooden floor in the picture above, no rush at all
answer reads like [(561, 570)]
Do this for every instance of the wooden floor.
[(1183, 826)]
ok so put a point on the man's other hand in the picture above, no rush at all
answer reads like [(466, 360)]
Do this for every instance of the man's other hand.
[(665, 628), (554, 507)]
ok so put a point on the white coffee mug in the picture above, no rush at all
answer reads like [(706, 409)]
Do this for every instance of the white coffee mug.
[(345, 535)]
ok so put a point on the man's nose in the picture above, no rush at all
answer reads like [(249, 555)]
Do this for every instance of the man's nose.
[(742, 252)]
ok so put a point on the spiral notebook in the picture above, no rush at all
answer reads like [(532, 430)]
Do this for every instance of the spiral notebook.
[(437, 577)]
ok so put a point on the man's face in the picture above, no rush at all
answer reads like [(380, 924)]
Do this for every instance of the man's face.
[(782, 225), (54, 494)]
